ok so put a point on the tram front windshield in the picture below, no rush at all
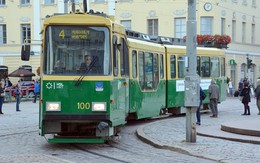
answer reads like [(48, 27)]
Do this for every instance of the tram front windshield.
[(77, 50)]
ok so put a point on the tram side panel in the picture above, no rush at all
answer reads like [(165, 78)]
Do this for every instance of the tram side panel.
[(147, 86)]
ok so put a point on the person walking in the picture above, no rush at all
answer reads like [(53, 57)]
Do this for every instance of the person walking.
[(18, 94), (1, 97), (202, 97), (257, 95), (240, 86), (230, 88), (246, 98), (36, 90), (214, 97)]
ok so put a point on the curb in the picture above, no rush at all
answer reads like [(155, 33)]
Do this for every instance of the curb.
[(143, 137)]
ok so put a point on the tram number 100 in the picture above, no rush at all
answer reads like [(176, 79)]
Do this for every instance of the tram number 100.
[(82, 105)]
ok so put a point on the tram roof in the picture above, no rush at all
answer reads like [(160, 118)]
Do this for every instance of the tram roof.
[(78, 19)]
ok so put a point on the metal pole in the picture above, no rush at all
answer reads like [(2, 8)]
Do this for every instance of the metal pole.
[(192, 80), (73, 8), (66, 6)]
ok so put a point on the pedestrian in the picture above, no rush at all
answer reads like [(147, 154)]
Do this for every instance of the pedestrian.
[(1, 97), (240, 86), (18, 94), (214, 97), (8, 83), (230, 88), (202, 97), (246, 98), (257, 95), (36, 90)]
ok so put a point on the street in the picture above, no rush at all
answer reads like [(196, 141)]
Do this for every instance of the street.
[(20, 142)]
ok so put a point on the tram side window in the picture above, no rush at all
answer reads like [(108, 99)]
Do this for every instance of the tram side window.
[(124, 58), (198, 65), (134, 64), (181, 67), (223, 67), (173, 66), (161, 67), (155, 70), (205, 67), (148, 61), (148, 70), (141, 69), (214, 62), (115, 55)]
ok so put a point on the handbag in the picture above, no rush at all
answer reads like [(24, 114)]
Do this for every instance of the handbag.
[(2, 95), (241, 98)]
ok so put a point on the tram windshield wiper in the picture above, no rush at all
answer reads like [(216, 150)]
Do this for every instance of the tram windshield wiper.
[(91, 65)]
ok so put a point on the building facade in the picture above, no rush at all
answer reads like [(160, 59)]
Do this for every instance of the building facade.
[(239, 19)]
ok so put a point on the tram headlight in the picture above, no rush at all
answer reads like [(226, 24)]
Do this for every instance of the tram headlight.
[(53, 106), (99, 106)]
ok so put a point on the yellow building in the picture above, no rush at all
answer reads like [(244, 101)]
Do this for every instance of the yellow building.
[(20, 19)]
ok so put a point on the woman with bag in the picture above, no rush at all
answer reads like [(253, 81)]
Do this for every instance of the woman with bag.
[(245, 93), (202, 97), (1, 97), (18, 93)]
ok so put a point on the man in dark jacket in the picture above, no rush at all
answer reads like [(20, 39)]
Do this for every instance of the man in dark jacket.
[(214, 97), (257, 95)]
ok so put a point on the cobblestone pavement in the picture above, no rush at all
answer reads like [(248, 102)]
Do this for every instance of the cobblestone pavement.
[(171, 134), (21, 143)]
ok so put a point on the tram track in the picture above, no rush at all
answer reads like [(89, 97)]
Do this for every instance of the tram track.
[(107, 158), (18, 133)]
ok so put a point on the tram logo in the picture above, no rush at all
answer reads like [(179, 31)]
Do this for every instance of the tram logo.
[(54, 85)]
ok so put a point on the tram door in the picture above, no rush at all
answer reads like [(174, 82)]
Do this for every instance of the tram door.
[(121, 73)]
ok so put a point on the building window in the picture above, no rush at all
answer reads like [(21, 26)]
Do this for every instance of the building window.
[(223, 26), (2, 2), (24, 2), (26, 33), (243, 71), (126, 24), (206, 25), (244, 2), (99, 1), (233, 74), (233, 30), (179, 27), (49, 2), (75, 1), (253, 34), (124, 0), (2, 34), (243, 32), (153, 27)]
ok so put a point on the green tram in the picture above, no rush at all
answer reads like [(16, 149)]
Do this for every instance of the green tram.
[(130, 77)]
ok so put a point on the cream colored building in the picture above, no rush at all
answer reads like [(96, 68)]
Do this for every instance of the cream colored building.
[(238, 18)]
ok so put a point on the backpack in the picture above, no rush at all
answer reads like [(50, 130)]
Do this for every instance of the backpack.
[(203, 95)]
